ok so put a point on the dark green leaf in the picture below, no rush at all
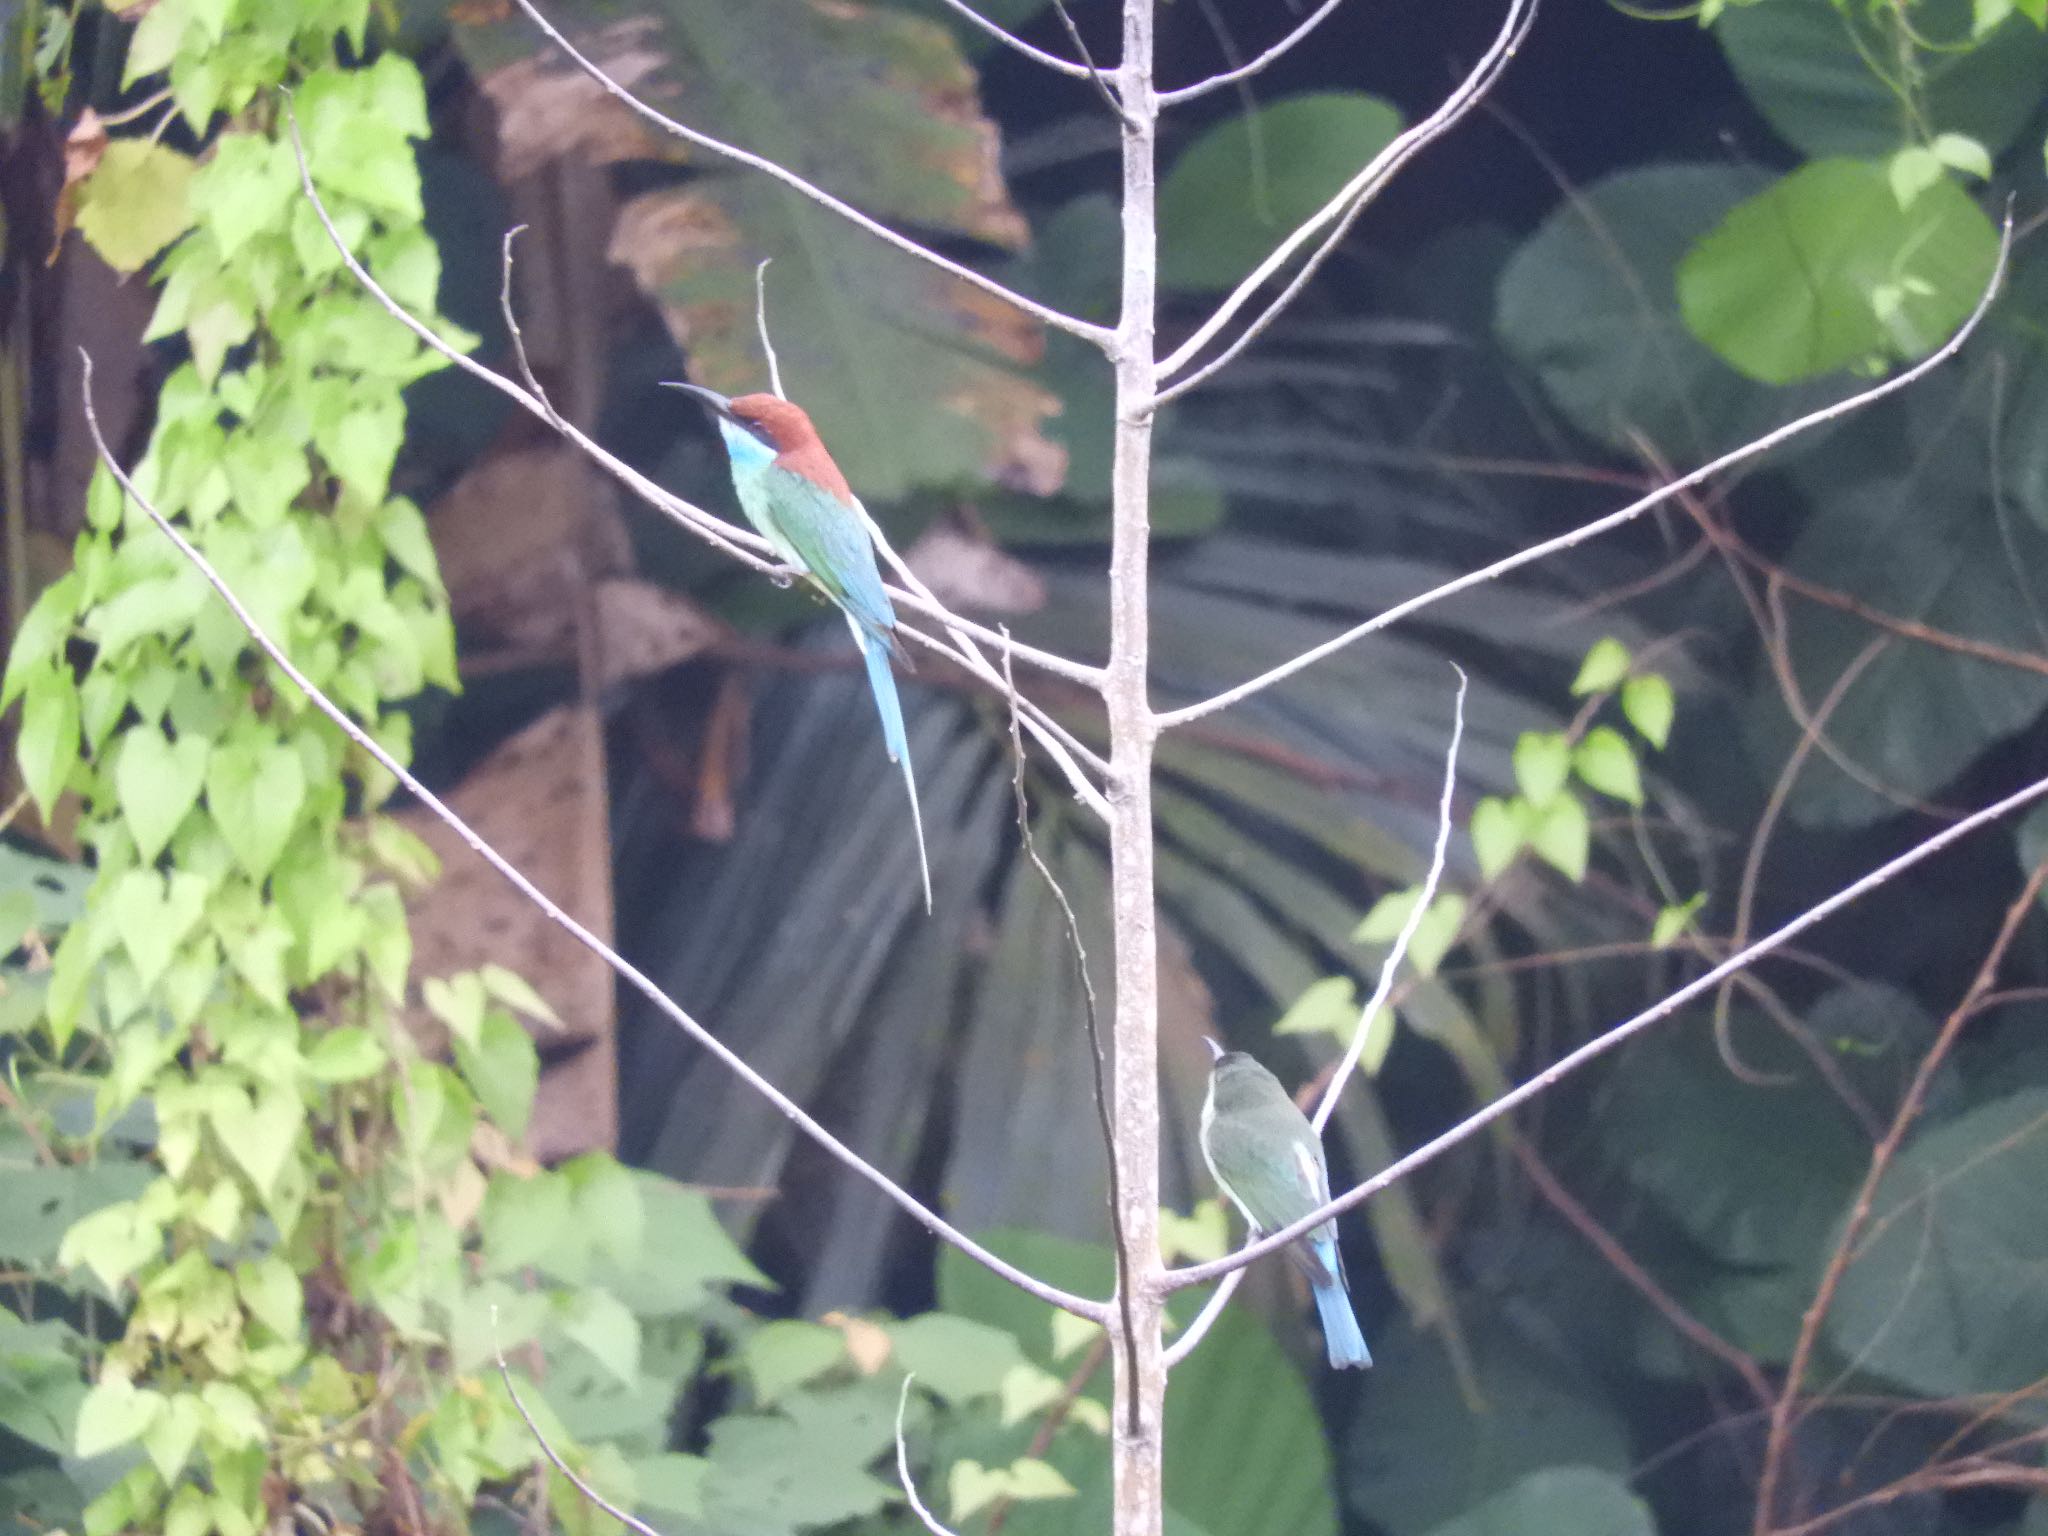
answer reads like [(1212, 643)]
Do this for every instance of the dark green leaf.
[(1947, 1296), (1241, 188), (1807, 66), (1558, 1501), (1422, 1454)]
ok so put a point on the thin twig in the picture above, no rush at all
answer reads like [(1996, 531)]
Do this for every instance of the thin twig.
[(1094, 1311), (547, 1450), (1382, 990), (1095, 76), (1096, 1058), (917, 1506), (1036, 55), (510, 314), (1543, 1081), (1413, 924), (1342, 209), (1046, 315), (1750, 450), (761, 321)]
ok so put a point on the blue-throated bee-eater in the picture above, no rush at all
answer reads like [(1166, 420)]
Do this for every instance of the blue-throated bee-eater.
[(798, 501)]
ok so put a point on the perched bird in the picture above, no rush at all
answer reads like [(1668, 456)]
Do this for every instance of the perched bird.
[(1267, 1158), (798, 501)]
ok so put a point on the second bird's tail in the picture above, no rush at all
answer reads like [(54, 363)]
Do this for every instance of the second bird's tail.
[(1341, 1334), (874, 650)]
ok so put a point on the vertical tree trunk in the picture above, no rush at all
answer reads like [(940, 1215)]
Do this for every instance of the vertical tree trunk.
[(1137, 1459)]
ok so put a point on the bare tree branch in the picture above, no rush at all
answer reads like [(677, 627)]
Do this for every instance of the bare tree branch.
[(1087, 330), (761, 320), (1137, 1446), (1543, 1081), (1382, 989), (1080, 1306), (1750, 450), (1342, 209)]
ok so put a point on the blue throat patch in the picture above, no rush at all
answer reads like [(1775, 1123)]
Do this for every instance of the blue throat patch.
[(747, 451)]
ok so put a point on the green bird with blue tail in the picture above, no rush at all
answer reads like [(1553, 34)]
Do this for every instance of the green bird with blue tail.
[(1267, 1158), (797, 499)]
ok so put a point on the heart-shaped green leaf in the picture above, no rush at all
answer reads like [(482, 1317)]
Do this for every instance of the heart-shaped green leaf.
[(152, 917), (260, 1133), (157, 781), (113, 1413), (255, 790)]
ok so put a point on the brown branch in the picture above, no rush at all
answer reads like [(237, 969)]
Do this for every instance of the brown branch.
[(1785, 1412)]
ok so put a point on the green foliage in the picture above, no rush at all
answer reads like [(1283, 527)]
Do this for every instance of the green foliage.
[(312, 1256), (1844, 79), (1826, 269)]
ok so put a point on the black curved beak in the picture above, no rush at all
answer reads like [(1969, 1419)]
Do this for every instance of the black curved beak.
[(711, 399)]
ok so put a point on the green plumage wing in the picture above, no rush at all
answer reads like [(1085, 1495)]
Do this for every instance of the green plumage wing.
[(828, 538), (1264, 1152)]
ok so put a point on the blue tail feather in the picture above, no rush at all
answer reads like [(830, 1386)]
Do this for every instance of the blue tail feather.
[(882, 683), (874, 650), (1341, 1333), (1340, 1326)]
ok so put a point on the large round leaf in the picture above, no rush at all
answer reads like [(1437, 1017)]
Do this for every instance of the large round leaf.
[(1801, 63), (1240, 188), (1824, 269), (1588, 305)]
